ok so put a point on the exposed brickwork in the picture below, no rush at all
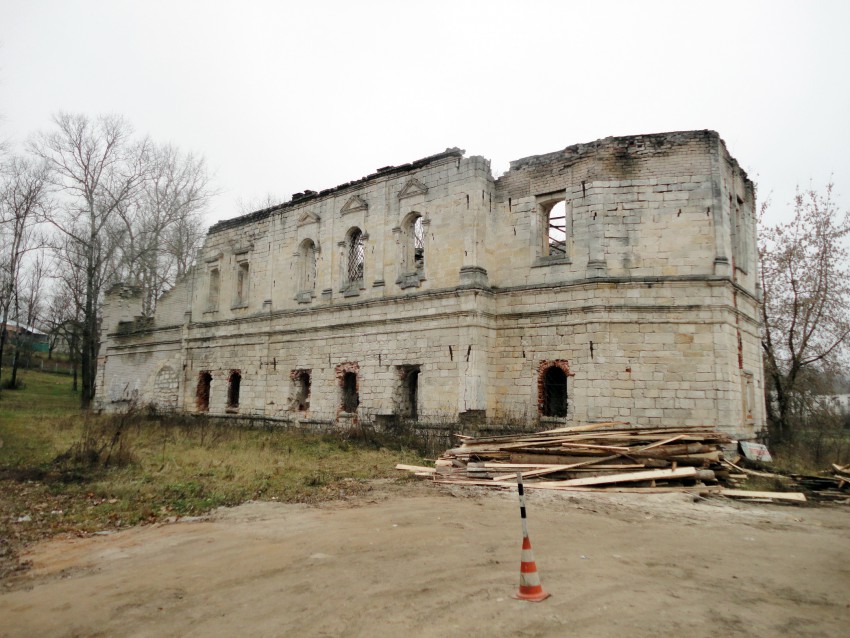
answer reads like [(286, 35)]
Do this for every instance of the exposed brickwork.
[(166, 386), (300, 389), (202, 391)]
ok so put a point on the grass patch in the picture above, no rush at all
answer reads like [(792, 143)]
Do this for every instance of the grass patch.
[(66, 472), (28, 418), (813, 451)]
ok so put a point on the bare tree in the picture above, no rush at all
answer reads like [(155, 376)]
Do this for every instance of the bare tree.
[(64, 321), (163, 227), (252, 204), (28, 307), (65, 310), (32, 288), (100, 168), (805, 279), (23, 198)]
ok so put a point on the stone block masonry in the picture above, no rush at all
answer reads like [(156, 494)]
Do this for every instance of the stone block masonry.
[(613, 280)]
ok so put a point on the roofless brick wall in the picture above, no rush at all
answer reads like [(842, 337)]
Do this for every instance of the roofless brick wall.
[(628, 263)]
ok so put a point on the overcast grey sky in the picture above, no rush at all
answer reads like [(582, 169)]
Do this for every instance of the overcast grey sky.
[(285, 96)]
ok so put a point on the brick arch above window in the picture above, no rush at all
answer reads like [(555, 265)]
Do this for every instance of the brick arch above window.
[(552, 388)]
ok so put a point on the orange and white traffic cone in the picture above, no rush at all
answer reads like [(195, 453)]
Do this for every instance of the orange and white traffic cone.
[(529, 581)]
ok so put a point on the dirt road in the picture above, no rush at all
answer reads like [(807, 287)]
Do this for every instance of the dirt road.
[(417, 560)]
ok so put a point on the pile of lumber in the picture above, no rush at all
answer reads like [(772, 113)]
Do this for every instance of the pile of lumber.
[(828, 488), (610, 456), (822, 487)]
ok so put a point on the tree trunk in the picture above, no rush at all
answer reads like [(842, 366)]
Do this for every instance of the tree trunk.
[(89, 322), (13, 381), (74, 347), (2, 347)]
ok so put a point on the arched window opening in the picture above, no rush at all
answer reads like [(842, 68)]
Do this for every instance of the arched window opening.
[(553, 400), (202, 393), (356, 256), (350, 397), (306, 270), (233, 386), (556, 230), (308, 260), (418, 244), (412, 251)]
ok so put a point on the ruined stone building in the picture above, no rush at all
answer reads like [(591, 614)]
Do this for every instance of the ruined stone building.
[(614, 280)]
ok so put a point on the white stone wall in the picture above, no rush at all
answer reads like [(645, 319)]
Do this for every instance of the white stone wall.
[(659, 276)]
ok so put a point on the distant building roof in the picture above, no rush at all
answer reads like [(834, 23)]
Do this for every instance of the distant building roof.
[(14, 326)]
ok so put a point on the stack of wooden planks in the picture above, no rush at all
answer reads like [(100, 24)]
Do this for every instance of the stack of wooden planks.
[(826, 488), (611, 456), (841, 473)]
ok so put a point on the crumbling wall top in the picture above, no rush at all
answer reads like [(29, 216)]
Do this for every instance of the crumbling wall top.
[(124, 290), (308, 195), (652, 141), (626, 147)]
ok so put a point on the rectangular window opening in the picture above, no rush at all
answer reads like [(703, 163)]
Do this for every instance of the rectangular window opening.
[(407, 392), (234, 383), (202, 393), (554, 226), (557, 230), (350, 395), (300, 391), (215, 287), (242, 284), (552, 389)]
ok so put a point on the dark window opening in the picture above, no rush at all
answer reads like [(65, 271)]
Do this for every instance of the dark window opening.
[(301, 398), (233, 384), (408, 394), (350, 398), (202, 394), (554, 391)]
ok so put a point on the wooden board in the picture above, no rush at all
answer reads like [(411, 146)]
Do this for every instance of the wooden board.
[(415, 468), (555, 459), (751, 472), (777, 496), (695, 489), (585, 428), (589, 446), (630, 477)]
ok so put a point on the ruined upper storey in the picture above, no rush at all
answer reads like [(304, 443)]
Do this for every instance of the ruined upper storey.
[(668, 205), (614, 280)]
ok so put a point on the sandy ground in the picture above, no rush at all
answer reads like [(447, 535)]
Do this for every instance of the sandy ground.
[(418, 560)]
